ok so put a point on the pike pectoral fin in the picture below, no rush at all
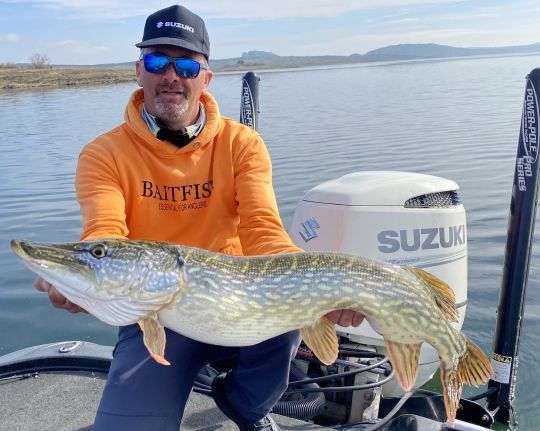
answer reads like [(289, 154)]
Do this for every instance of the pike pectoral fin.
[(404, 359), (154, 338), (322, 339)]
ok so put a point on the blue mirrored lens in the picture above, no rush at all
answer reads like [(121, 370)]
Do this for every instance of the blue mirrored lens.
[(185, 67), (155, 63)]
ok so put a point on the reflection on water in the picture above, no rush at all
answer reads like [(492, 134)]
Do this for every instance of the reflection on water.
[(456, 119)]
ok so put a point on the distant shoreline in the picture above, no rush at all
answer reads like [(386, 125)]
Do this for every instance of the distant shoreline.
[(17, 78), (26, 78), (21, 79)]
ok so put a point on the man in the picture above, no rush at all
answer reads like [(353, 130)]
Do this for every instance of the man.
[(177, 171)]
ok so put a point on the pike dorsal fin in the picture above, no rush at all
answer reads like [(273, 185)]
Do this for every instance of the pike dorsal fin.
[(154, 338), (321, 338), (444, 295), (404, 359)]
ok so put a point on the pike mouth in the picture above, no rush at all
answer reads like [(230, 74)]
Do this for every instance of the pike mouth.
[(57, 266), (53, 264), (47, 255), (17, 247)]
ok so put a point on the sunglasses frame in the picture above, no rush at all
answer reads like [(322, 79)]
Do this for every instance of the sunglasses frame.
[(173, 60)]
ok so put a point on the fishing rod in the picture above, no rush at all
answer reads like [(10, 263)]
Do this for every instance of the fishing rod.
[(505, 357)]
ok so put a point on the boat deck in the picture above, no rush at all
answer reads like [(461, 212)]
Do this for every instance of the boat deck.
[(67, 401), (57, 387)]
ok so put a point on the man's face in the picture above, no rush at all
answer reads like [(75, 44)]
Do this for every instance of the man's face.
[(170, 98)]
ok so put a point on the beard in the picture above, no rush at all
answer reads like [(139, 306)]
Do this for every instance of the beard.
[(171, 111)]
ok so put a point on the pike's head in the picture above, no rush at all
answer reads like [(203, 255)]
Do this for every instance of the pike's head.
[(118, 281)]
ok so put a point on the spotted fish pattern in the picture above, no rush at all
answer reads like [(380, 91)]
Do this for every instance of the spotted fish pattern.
[(239, 301)]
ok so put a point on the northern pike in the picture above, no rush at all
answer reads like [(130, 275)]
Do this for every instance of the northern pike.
[(240, 301)]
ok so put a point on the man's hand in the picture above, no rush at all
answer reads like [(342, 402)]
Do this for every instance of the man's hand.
[(56, 298), (345, 317)]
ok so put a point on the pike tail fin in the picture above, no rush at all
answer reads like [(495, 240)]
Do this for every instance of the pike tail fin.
[(473, 368)]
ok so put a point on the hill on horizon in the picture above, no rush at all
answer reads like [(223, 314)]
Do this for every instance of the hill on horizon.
[(264, 59), (388, 53)]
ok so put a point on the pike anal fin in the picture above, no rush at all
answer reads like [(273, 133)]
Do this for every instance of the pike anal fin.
[(154, 338), (404, 359), (322, 339)]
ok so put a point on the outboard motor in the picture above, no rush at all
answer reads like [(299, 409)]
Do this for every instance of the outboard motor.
[(398, 217)]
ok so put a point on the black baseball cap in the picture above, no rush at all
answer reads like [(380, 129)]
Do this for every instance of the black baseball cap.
[(176, 26)]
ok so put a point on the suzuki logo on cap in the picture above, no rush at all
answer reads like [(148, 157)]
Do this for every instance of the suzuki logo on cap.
[(175, 24), (309, 229)]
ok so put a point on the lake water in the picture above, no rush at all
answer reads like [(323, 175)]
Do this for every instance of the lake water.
[(458, 119)]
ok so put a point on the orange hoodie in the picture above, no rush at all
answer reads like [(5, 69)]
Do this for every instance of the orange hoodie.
[(215, 193)]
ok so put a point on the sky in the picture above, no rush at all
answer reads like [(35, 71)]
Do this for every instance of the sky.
[(104, 31)]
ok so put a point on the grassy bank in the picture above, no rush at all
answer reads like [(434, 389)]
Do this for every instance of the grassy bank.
[(17, 78)]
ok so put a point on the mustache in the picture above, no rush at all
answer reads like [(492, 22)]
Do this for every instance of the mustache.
[(176, 87)]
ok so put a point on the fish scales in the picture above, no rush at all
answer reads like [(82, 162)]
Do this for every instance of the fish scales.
[(238, 301), (295, 286)]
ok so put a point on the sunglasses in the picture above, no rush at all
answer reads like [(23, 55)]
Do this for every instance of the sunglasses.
[(185, 67)]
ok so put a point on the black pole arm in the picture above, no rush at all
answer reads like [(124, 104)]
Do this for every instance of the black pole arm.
[(505, 358), (249, 101)]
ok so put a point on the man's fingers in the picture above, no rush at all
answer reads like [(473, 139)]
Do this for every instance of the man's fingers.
[(56, 298), (345, 317), (60, 301), (74, 308), (351, 318), (334, 316), (42, 285), (358, 318)]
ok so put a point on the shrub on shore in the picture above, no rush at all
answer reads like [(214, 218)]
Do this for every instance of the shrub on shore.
[(39, 61)]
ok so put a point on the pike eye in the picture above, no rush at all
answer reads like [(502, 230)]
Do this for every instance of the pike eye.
[(98, 251)]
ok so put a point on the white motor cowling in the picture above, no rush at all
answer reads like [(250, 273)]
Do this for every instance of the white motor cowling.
[(398, 217)]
